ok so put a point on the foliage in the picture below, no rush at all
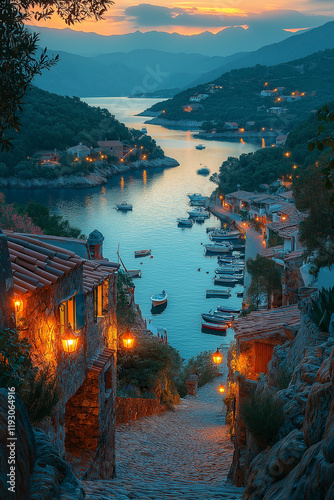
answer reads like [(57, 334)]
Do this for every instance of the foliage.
[(11, 219), (19, 62), (40, 394), (125, 313), (266, 279), (274, 239), (130, 391), (263, 416), (49, 223), (38, 389), (323, 308), (152, 365), (201, 365)]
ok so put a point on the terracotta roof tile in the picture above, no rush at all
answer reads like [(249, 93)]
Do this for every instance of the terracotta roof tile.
[(99, 362)]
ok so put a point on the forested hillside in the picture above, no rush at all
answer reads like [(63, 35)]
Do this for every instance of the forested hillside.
[(237, 96), (268, 164), (50, 121)]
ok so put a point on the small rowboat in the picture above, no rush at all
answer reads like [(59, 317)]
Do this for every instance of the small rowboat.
[(142, 253), (124, 206), (227, 309), (185, 222), (218, 248), (215, 318), (135, 273), (223, 294), (214, 327), (159, 298)]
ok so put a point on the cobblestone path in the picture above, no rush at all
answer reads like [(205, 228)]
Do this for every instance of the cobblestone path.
[(181, 455)]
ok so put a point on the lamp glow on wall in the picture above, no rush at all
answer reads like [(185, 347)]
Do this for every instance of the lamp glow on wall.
[(221, 389), (217, 357), (128, 340), (70, 340)]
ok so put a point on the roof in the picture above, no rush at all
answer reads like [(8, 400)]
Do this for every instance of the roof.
[(287, 232), (109, 144), (295, 254), (287, 195), (99, 362), (264, 324), (271, 251), (79, 147), (37, 264)]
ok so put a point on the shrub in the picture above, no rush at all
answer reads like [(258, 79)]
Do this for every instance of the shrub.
[(323, 308), (284, 377), (40, 393), (263, 416), (203, 366)]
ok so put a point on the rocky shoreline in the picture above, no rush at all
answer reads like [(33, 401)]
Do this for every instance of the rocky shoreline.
[(99, 177), (175, 124)]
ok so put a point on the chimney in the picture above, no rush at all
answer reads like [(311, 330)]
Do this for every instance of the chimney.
[(7, 311)]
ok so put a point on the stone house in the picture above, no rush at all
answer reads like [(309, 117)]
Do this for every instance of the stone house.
[(114, 148), (79, 151), (55, 288)]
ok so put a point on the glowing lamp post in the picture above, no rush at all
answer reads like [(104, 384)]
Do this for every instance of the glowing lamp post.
[(18, 304), (221, 389), (69, 340), (128, 340), (217, 357)]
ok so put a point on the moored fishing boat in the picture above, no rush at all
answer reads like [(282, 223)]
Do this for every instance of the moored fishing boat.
[(124, 206), (196, 197), (223, 294), (229, 280), (213, 318), (142, 253), (218, 248), (214, 327), (199, 212), (229, 270), (185, 222), (228, 309), (159, 298)]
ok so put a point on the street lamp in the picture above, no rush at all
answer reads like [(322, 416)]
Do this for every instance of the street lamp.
[(128, 340), (69, 340), (217, 357), (221, 389)]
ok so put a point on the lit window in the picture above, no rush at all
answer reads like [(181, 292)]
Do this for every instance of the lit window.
[(72, 311)]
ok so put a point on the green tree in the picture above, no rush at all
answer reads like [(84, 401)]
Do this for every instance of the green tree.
[(19, 62), (266, 279)]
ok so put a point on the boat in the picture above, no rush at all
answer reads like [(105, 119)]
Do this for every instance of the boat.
[(215, 318), (218, 248), (210, 229), (223, 294), (214, 327), (230, 260), (224, 232), (199, 212), (159, 298), (142, 253), (185, 222), (200, 146), (197, 203), (239, 247), (203, 171), (199, 220), (227, 309), (223, 236), (225, 280), (124, 206), (135, 273), (196, 197), (144, 130), (229, 270)]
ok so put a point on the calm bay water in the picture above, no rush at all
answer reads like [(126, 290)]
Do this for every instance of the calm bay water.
[(159, 197)]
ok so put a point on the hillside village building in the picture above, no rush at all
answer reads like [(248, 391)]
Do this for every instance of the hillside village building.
[(63, 291)]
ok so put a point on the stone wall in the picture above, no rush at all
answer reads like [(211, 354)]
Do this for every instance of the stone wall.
[(299, 464), (7, 315), (128, 409)]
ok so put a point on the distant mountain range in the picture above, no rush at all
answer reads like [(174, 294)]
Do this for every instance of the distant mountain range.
[(124, 74), (150, 72), (224, 43), (294, 47)]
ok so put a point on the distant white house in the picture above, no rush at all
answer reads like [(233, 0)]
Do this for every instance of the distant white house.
[(198, 97), (80, 151), (275, 110), (268, 93)]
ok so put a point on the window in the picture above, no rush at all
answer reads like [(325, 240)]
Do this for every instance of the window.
[(72, 310), (100, 298)]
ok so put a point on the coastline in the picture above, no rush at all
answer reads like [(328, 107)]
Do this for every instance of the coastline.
[(99, 177), (174, 124)]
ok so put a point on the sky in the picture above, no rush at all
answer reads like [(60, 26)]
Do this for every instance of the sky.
[(188, 17)]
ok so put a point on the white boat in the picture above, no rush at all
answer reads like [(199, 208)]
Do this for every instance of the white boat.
[(124, 206), (218, 248), (199, 212), (200, 146), (214, 327), (229, 270), (159, 298), (196, 197), (185, 222), (142, 253), (227, 280), (224, 235)]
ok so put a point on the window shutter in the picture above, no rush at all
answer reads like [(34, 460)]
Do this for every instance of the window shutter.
[(80, 311)]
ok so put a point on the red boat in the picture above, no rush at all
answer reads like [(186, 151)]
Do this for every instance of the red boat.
[(214, 326)]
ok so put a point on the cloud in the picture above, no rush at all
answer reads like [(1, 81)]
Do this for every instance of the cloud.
[(147, 15)]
